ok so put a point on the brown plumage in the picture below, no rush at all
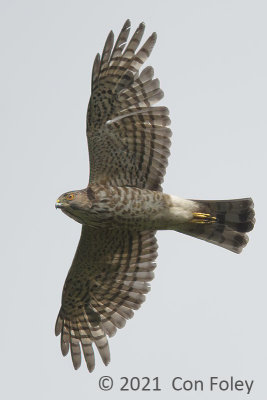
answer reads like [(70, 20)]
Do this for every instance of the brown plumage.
[(123, 205)]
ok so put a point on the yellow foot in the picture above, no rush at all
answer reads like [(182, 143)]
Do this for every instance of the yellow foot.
[(201, 218)]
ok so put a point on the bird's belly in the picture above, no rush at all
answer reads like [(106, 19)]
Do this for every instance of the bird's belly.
[(137, 209)]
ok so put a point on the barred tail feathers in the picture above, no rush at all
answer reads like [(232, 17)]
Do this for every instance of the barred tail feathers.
[(222, 222)]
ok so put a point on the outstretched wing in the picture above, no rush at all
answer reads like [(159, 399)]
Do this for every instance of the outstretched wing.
[(107, 281), (128, 139)]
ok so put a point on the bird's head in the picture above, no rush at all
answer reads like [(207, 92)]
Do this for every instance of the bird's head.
[(69, 200), (75, 204)]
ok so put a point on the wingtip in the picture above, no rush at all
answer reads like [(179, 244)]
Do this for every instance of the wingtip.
[(154, 36), (90, 368), (106, 361), (64, 348), (58, 325), (127, 24), (97, 57), (76, 360), (110, 35)]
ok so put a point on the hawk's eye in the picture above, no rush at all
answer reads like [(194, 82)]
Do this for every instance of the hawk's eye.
[(70, 196)]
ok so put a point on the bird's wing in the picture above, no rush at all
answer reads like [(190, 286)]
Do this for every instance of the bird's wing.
[(128, 139), (106, 282)]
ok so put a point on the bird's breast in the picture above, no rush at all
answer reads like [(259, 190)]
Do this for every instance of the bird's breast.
[(125, 207)]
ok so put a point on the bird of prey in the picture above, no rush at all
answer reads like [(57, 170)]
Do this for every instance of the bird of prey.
[(123, 205)]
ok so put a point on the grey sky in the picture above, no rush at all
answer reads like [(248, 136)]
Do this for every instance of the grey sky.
[(211, 60)]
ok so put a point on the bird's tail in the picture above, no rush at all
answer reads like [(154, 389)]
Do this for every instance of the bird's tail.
[(223, 222)]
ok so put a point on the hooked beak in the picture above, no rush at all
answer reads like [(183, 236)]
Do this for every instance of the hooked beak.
[(58, 204)]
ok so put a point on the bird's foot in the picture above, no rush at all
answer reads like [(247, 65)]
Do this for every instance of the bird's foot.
[(201, 218)]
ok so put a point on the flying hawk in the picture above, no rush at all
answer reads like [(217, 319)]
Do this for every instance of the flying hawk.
[(123, 205)]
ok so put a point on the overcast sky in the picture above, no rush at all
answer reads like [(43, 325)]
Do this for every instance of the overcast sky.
[(206, 313)]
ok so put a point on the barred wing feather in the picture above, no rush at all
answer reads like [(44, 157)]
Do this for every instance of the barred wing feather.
[(108, 279), (128, 138)]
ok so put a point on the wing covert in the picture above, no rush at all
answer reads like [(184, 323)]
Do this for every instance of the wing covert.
[(106, 282), (128, 138)]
